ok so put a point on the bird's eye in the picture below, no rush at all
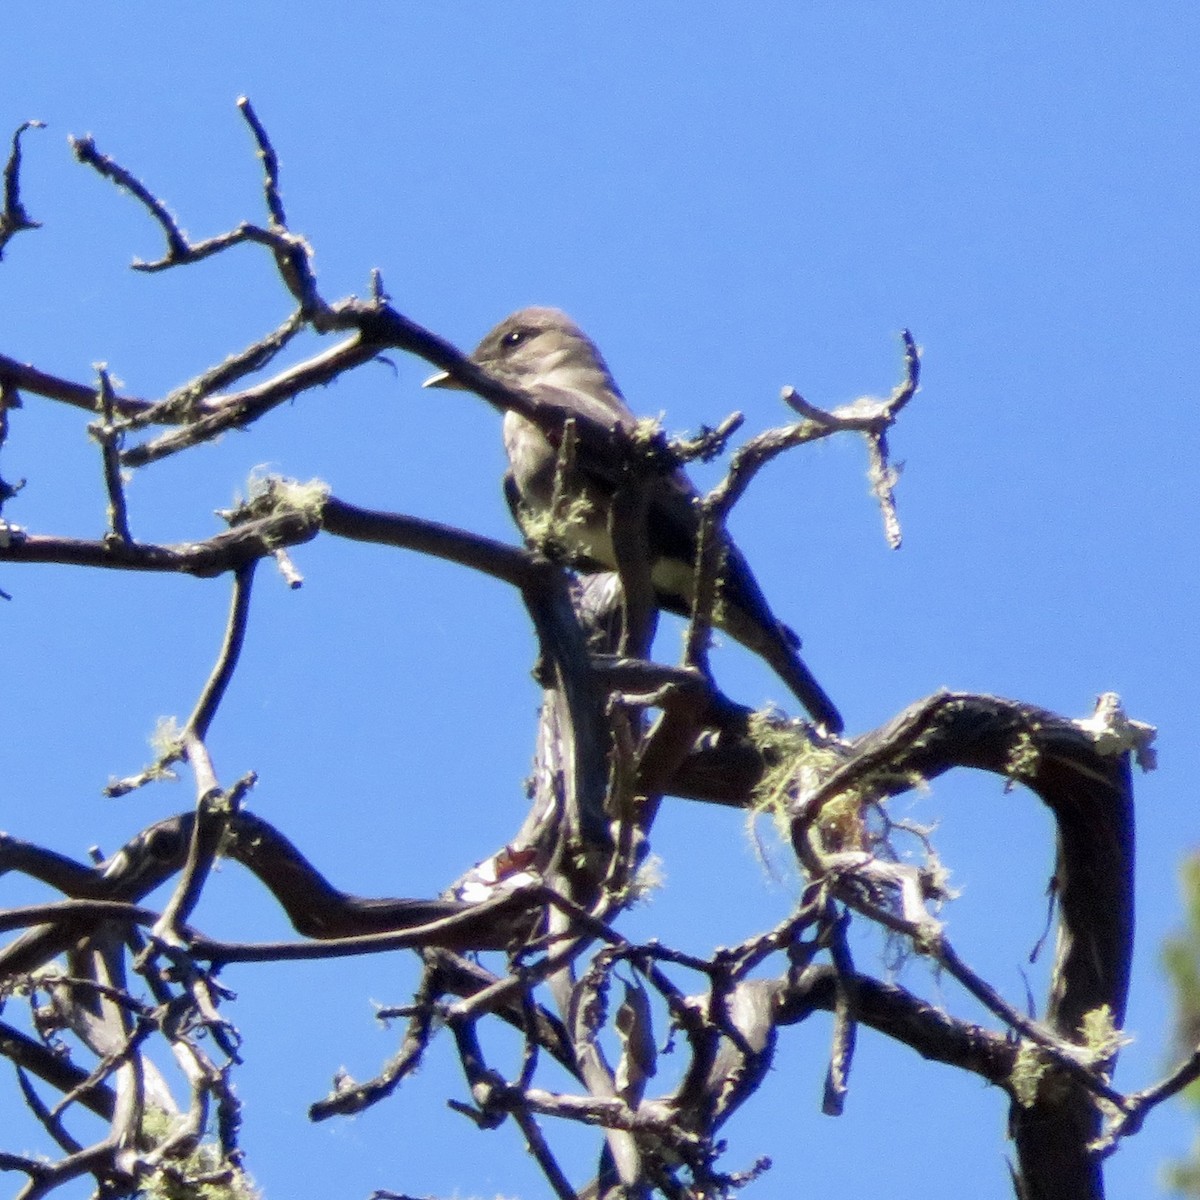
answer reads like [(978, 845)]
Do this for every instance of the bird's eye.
[(514, 337)]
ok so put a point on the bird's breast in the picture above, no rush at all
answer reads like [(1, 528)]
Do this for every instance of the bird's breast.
[(531, 458)]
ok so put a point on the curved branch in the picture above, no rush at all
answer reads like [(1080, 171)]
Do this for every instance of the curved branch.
[(507, 563), (1084, 778), (316, 909), (1087, 788), (13, 217), (231, 649)]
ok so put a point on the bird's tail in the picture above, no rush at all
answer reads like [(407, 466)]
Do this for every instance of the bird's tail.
[(743, 612), (785, 660)]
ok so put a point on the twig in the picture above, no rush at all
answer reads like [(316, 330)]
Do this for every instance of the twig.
[(196, 729), (137, 1030), (1137, 1106), (291, 252), (107, 991), (21, 377), (214, 808), (742, 959), (180, 251), (247, 406), (183, 403), (35, 1168), (537, 1145), (883, 476), (497, 559), (184, 1138), (475, 926), (293, 255), (231, 649), (109, 439), (594, 924), (98, 1158), (288, 569), (928, 938), (749, 459), (14, 218), (10, 398), (86, 152), (709, 443), (610, 1113), (422, 1022), (74, 912), (50, 1121), (266, 153), (712, 546), (54, 1069), (844, 1017), (486, 1088), (870, 417), (229, 1118), (181, 1013)]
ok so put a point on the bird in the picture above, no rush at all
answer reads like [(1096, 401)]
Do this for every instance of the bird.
[(545, 354)]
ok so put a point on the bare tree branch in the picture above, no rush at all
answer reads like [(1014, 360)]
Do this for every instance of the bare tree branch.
[(108, 438), (617, 735), (14, 219)]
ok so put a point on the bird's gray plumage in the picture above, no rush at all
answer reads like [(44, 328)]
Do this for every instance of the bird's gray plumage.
[(545, 353)]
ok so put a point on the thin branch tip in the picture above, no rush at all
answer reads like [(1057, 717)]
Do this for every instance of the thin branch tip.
[(14, 218)]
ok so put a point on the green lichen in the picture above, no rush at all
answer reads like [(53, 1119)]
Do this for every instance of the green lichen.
[(1029, 1070), (559, 527), (1024, 758), (306, 498), (793, 761), (1100, 1034), (200, 1174), (167, 739), (645, 432), (268, 494)]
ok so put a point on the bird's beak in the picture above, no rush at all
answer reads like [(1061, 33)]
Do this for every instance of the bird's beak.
[(443, 379)]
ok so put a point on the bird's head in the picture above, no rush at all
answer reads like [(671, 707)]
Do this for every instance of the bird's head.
[(541, 347)]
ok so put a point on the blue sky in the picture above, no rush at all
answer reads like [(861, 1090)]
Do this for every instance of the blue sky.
[(730, 199)]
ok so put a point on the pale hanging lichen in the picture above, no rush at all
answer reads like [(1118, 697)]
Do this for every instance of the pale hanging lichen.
[(795, 764), (268, 495), (278, 493), (167, 739)]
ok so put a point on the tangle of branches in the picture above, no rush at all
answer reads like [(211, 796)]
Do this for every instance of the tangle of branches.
[(529, 938)]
